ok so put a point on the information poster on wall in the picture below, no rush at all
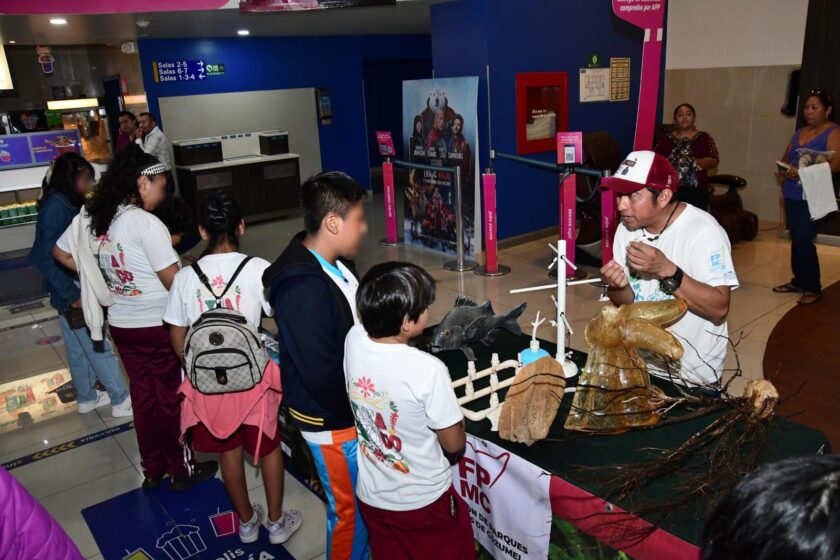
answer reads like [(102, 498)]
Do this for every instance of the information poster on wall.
[(440, 129), (594, 84), (508, 499), (619, 79)]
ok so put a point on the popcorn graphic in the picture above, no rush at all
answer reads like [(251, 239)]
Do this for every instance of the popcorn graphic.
[(181, 542)]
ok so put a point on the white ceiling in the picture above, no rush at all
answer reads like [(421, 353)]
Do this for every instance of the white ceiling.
[(407, 16)]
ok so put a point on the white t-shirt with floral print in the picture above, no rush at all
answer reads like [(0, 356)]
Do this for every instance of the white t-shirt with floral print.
[(189, 298), (134, 249), (399, 395)]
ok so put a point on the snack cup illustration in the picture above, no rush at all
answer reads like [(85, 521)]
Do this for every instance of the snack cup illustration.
[(224, 523), (181, 542), (46, 62), (5, 156)]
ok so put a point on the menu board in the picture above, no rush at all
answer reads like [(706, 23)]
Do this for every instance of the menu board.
[(37, 148), (14, 151), (47, 146)]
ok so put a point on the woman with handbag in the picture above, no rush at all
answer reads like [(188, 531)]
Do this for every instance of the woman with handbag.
[(126, 252), (230, 420), (69, 179)]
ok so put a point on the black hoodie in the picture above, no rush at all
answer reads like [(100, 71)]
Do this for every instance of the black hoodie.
[(313, 318)]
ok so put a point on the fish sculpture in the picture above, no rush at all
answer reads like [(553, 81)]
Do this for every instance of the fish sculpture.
[(468, 323), (614, 392)]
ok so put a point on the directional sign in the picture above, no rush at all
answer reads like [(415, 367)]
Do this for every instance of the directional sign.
[(178, 70)]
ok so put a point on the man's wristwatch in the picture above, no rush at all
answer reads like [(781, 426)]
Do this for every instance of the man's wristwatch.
[(671, 284)]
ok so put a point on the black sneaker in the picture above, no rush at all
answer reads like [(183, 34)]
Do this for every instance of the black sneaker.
[(151, 483), (201, 472)]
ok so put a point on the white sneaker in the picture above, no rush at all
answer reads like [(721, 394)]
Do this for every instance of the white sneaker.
[(102, 399), (122, 410), (250, 531), (280, 531)]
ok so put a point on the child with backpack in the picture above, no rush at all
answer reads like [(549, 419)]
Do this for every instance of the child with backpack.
[(410, 427), (232, 390)]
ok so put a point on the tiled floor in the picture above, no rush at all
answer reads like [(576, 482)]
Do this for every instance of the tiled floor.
[(75, 479)]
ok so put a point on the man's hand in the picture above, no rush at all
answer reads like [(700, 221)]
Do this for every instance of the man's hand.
[(77, 304), (649, 260), (612, 274)]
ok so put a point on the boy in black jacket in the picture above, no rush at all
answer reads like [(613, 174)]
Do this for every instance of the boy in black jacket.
[(312, 288)]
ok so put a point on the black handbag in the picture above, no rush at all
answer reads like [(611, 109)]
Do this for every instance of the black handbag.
[(75, 317)]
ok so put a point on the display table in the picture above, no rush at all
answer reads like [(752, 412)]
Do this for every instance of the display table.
[(564, 453)]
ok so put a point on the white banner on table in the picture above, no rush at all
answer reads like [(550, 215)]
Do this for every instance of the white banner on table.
[(508, 499)]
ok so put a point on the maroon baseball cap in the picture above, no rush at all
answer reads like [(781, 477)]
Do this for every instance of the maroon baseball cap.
[(640, 170)]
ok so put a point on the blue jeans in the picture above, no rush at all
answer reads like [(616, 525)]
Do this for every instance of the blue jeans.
[(803, 252), (86, 365)]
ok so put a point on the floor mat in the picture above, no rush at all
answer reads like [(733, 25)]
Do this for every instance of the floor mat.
[(798, 359), (165, 525), (20, 280)]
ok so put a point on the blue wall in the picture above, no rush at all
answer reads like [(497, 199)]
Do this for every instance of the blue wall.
[(533, 36), (262, 63)]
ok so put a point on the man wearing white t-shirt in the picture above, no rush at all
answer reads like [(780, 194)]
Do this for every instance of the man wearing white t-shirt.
[(665, 249)]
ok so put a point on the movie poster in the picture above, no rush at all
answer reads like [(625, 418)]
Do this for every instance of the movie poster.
[(440, 129)]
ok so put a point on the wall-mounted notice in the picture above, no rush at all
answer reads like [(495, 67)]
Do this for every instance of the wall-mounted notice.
[(179, 70), (386, 143), (619, 79), (594, 84)]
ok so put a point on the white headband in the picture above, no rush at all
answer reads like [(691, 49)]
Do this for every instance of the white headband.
[(155, 169)]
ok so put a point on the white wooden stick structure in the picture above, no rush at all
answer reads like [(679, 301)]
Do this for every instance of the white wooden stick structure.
[(470, 394), (561, 324)]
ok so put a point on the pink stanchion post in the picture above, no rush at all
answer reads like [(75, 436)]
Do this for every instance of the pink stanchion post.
[(609, 224), (390, 205), (568, 220), (569, 151), (491, 265), (491, 256)]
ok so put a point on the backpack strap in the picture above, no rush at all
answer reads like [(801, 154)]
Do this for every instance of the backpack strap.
[(204, 280)]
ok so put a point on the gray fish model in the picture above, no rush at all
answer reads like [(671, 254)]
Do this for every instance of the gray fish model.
[(468, 323)]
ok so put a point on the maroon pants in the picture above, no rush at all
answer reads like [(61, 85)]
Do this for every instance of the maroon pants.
[(431, 532), (154, 375)]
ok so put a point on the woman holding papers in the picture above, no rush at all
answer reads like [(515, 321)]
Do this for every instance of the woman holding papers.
[(814, 143)]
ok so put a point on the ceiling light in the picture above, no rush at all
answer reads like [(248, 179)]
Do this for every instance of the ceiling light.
[(66, 104), (243, 32), (137, 99), (58, 21), (143, 23), (12, 42)]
